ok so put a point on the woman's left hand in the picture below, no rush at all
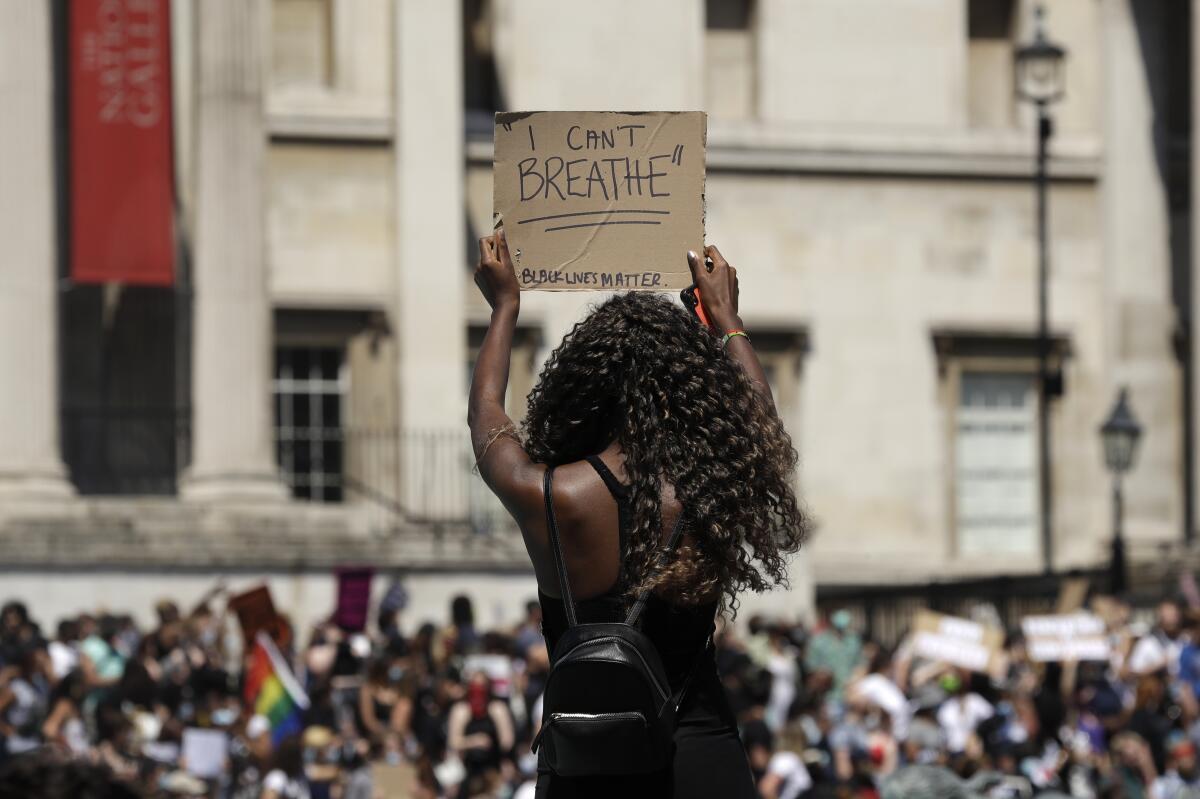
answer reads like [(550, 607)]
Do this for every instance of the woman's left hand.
[(495, 276)]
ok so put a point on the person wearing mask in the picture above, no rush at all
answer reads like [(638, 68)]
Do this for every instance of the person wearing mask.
[(100, 657), (480, 730), (837, 649)]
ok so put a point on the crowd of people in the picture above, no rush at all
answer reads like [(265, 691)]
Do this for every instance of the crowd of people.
[(448, 710)]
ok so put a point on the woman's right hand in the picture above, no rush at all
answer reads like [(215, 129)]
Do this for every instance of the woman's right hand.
[(495, 276), (718, 288)]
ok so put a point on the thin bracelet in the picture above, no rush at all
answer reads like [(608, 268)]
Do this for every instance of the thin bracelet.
[(739, 332)]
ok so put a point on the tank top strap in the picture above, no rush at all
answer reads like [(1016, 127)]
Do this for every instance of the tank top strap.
[(620, 493), (615, 486)]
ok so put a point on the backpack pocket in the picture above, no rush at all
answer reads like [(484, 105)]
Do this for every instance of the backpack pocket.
[(600, 744)]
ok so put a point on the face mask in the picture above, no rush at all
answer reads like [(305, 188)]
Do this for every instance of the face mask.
[(477, 698), (396, 673), (224, 716)]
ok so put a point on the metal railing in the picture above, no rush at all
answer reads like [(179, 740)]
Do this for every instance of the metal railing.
[(401, 478), (423, 477)]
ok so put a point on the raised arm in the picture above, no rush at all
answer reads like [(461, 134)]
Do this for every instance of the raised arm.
[(502, 461), (719, 294)]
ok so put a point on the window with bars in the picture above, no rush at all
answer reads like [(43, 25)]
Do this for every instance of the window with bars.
[(996, 471), (310, 391)]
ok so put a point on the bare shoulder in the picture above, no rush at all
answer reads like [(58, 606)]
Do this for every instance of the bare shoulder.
[(574, 490)]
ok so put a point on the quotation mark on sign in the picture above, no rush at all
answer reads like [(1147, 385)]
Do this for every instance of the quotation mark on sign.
[(507, 126), (677, 155)]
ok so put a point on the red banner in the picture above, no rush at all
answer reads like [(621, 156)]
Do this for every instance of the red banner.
[(122, 193)]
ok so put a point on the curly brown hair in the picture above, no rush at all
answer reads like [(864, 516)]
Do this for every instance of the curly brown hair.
[(641, 370)]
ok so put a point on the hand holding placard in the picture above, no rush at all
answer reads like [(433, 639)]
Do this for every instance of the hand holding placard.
[(600, 200)]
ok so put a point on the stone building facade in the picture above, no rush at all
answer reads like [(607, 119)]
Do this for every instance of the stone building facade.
[(297, 400)]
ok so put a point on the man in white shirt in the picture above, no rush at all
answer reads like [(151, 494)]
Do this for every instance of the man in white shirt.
[(962, 712)]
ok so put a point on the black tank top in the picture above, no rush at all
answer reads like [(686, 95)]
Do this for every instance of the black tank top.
[(681, 634)]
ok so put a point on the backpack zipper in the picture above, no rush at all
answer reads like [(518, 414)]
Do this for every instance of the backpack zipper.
[(649, 671), (631, 714)]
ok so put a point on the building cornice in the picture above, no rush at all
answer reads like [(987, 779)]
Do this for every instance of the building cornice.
[(971, 155)]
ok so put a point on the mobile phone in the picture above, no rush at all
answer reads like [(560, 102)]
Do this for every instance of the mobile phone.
[(692, 301)]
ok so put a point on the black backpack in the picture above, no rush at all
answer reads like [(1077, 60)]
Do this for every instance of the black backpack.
[(608, 707)]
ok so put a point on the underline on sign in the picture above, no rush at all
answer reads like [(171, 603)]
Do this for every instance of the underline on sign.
[(597, 224), (590, 213)]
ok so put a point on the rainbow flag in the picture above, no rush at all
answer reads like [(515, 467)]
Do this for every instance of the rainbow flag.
[(272, 691)]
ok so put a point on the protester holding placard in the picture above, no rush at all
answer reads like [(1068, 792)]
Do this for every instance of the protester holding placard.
[(651, 423)]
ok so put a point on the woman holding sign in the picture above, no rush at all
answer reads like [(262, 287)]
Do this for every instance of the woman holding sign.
[(652, 482)]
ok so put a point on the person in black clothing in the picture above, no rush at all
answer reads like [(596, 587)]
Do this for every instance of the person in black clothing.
[(648, 417)]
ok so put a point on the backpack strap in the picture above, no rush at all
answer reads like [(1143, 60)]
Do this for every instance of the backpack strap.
[(672, 542), (677, 699), (564, 583)]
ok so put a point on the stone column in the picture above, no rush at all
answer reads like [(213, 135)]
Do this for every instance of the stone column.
[(232, 452), (431, 255), (1139, 317), (30, 463), (1194, 388)]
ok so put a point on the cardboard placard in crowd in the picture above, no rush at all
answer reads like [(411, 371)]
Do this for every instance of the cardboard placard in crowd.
[(255, 610), (397, 780), (600, 200), (957, 641), (1072, 594), (1065, 637), (205, 752)]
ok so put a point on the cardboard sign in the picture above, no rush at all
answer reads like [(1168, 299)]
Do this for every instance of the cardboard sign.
[(398, 780), (255, 611), (1073, 636), (205, 752), (1071, 595), (600, 200), (956, 641)]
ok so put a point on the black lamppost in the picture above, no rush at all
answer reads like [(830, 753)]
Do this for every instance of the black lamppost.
[(1120, 433), (1038, 78)]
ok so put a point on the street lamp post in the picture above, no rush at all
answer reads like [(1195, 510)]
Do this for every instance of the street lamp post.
[(1120, 434), (1039, 80)]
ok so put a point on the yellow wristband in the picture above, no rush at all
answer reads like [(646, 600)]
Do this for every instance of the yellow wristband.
[(731, 334)]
